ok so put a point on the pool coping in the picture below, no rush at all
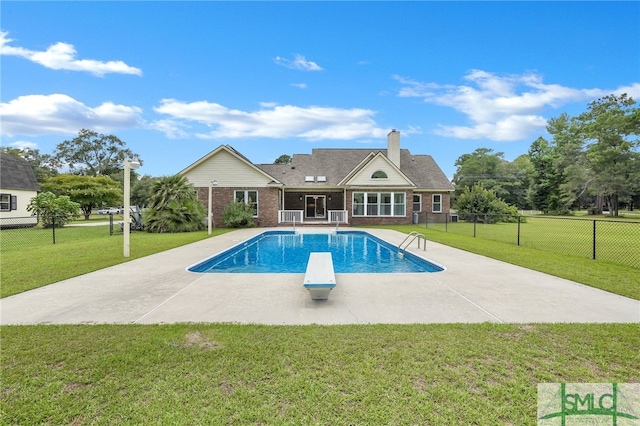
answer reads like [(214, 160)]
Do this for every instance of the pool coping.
[(157, 289), (319, 231)]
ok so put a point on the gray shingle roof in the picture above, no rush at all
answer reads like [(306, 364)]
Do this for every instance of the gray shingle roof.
[(16, 173), (335, 164)]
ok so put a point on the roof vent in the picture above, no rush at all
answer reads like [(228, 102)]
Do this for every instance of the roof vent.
[(321, 178), (308, 179)]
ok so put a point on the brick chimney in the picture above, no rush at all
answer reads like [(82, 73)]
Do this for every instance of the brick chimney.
[(393, 147)]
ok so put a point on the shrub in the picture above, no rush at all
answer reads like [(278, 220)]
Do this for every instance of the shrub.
[(238, 215), (174, 207), (478, 201), (175, 216), (53, 209)]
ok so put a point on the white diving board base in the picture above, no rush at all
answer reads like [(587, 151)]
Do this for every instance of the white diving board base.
[(319, 279)]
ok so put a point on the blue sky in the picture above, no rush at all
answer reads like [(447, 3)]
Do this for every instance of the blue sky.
[(174, 80)]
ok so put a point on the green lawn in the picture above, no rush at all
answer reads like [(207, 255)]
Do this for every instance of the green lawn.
[(30, 260), (616, 241), (481, 374), (613, 277)]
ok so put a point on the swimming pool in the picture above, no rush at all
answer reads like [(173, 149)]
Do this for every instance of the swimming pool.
[(288, 252)]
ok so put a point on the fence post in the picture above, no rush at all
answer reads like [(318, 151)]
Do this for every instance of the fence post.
[(519, 230), (426, 219), (446, 222), (475, 220), (594, 240), (53, 228)]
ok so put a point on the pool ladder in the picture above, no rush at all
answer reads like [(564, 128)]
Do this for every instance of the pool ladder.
[(409, 240)]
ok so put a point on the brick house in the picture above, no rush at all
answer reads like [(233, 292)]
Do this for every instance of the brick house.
[(347, 186)]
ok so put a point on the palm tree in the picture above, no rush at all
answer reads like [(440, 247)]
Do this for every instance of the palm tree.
[(174, 206)]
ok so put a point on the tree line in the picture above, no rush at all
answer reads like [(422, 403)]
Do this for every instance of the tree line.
[(95, 175), (591, 161)]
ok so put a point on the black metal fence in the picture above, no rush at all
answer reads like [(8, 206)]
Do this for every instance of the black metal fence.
[(17, 232), (616, 241)]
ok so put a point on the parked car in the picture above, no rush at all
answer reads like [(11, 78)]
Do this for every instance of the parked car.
[(110, 210)]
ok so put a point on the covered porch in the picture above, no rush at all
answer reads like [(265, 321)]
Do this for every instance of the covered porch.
[(313, 206)]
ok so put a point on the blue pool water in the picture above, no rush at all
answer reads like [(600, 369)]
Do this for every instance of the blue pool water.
[(288, 252)]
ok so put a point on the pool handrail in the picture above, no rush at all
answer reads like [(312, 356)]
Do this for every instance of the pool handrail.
[(415, 235)]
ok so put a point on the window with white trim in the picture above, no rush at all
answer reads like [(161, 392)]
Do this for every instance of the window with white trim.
[(248, 197), (379, 204), (436, 203), (379, 175), (417, 203)]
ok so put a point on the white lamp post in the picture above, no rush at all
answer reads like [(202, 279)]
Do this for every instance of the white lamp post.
[(210, 221), (128, 165)]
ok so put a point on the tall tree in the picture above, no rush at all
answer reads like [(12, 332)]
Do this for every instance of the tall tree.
[(610, 129), (571, 178), (88, 191), (283, 159), (494, 173), (544, 191), (93, 154), (481, 166)]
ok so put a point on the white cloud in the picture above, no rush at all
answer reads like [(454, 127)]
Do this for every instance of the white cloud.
[(24, 145), (57, 113), (300, 85), (62, 56), (502, 108), (299, 62), (275, 121), (173, 129)]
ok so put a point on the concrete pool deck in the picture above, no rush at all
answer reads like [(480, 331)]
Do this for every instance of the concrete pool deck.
[(158, 289)]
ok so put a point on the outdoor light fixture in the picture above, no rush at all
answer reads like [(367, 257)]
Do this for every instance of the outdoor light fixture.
[(128, 165), (300, 198), (210, 221)]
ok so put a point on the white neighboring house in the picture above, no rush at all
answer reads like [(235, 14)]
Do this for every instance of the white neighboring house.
[(18, 186)]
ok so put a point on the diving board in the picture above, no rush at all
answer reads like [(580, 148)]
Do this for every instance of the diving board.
[(319, 278)]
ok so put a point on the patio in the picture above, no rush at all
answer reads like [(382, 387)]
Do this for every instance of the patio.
[(158, 289)]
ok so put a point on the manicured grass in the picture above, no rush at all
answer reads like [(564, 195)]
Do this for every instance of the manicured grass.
[(481, 374), (616, 241), (32, 261), (619, 279)]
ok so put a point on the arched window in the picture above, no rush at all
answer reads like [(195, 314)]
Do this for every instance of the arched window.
[(379, 175)]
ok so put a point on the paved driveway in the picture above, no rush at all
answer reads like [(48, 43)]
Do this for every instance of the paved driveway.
[(158, 289)]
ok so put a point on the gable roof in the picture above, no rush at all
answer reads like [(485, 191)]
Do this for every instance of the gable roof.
[(17, 173), (337, 164), (372, 163), (230, 150)]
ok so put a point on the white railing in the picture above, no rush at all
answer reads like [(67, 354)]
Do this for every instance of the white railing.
[(290, 216), (338, 216)]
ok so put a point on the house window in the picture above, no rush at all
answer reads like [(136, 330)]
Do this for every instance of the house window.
[(5, 202), (417, 202), (379, 175), (248, 197), (358, 203), (436, 203), (379, 203)]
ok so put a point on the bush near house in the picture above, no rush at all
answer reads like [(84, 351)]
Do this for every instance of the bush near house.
[(174, 207), (238, 215)]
